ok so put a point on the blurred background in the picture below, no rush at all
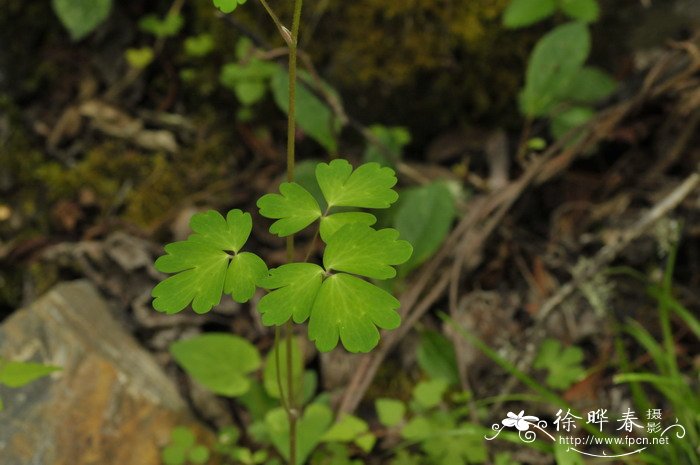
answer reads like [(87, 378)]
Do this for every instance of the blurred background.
[(578, 223)]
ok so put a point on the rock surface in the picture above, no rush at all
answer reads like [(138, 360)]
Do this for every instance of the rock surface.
[(111, 403)]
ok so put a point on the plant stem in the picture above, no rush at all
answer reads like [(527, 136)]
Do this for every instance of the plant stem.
[(293, 412)]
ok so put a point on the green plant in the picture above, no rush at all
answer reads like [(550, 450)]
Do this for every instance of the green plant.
[(183, 449), (563, 364), (81, 17), (336, 298), (18, 374), (558, 84)]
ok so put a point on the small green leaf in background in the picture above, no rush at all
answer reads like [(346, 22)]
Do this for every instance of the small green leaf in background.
[(208, 263), (369, 186), (139, 58), (388, 149), (424, 218), (356, 248), (174, 455), (248, 81), (429, 393), (554, 63), (436, 357), (207, 358), (564, 456), (199, 455), (295, 286), (314, 423), (569, 119), (563, 365), (227, 6), (332, 223), (161, 28), (590, 85), (347, 429), (270, 380), (521, 13), (504, 458), (182, 436), (81, 17), (18, 374), (294, 208), (583, 10), (313, 116), (199, 46), (390, 411), (350, 309)]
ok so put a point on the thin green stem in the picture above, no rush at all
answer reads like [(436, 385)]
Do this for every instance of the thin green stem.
[(283, 401), (284, 32)]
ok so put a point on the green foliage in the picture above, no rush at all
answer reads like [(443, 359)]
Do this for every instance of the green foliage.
[(563, 365), (554, 63), (570, 118), (208, 264), (330, 224), (162, 28), (389, 144), (139, 58), (583, 10), (313, 116), (81, 17), (18, 374), (428, 394), (248, 81), (294, 208), (184, 449), (227, 6), (424, 218), (304, 383), (391, 412), (369, 186), (314, 423), (521, 13), (208, 359), (436, 357), (199, 46)]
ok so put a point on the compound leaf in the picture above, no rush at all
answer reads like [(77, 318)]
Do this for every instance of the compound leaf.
[(208, 359), (350, 309), (521, 13), (563, 364), (202, 264), (332, 223), (245, 270), (357, 248), (295, 287), (227, 6), (18, 374), (369, 186), (294, 209)]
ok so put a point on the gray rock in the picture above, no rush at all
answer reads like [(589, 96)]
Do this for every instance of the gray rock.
[(110, 404)]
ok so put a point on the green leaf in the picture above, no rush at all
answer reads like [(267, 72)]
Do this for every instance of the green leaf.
[(346, 429), (248, 81), (568, 119), (182, 436), (199, 46), (521, 13), (429, 394), (436, 357), (562, 364), (208, 359), (350, 309), (81, 17), (424, 218), (312, 115), (369, 186), (306, 177), (295, 288), (356, 248), (207, 264), (584, 10), (311, 427), (554, 63), (332, 223), (139, 58), (245, 270), (388, 148), (366, 442), (18, 374), (174, 455), (270, 380), (199, 454), (390, 411), (227, 6), (417, 429), (590, 85), (294, 209), (161, 28)]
